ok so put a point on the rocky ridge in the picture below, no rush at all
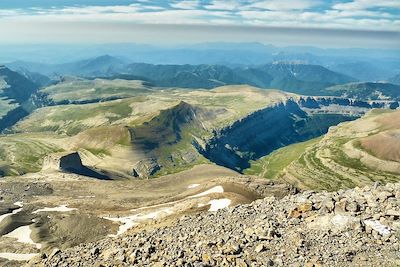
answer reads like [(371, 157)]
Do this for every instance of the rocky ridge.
[(355, 227)]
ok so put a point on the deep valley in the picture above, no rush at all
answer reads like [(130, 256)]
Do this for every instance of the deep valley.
[(110, 162)]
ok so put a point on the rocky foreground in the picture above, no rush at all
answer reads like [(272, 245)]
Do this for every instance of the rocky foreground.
[(357, 227)]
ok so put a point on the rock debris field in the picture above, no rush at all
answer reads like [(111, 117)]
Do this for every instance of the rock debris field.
[(356, 227)]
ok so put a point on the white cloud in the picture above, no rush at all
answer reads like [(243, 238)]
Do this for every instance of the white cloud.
[(185, 4), (224, 5), (354, 15), (93, 10), (285, 4), (367, 4)]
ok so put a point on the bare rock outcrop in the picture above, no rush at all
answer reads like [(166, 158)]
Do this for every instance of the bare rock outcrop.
[(63, 161), (70, 162), (356, 227)]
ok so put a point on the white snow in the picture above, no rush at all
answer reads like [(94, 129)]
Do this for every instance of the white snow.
[(377, 226), (217, 204), (62, 208), (215, 189), (17, 256), (192, 186), (130, 221), (157, 205), (23, 235), (18, 203)]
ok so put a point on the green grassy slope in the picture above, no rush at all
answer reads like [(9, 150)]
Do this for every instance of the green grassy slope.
[(339, 161), (272, 165), (81, 90), (21, 154)]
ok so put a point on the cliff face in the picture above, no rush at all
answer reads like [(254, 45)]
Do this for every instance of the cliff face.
[(70, 162), (266, 130), (319, 102), (293, 121)]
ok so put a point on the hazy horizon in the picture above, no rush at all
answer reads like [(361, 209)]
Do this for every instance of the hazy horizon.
[(325, 24)]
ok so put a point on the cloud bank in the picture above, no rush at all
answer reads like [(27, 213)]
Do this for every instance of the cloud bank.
[(356, 15)]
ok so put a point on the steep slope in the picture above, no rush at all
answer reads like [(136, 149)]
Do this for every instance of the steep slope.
[(351, 154), (15, 97), (166, 140), (15, 87), (266, 130), (39, 79)]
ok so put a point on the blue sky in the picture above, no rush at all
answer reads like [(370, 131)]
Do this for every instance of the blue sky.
[(24, 19)]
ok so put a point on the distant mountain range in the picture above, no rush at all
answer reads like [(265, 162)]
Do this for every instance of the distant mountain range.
[(294, 77), (291, 76), (362, 64), (366, 90), (367, 71), (89, 67)]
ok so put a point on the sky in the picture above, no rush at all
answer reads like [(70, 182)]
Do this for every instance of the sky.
[(333, 23)]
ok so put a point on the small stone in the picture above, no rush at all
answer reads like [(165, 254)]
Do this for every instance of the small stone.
[(295, 214), (352, 207), (206, 258), (54, 252), (393, 213), (259, 248), (95, 251), (340, 206), (327, 205), (241, 263)]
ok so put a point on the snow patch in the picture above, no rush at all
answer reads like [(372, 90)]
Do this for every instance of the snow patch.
[(62, 208), (17, 256), (217, 204), (130, 221), (215, 189), (23, 235), (18, 203), (192, 186)]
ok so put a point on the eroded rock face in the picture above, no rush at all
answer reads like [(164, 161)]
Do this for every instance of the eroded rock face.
[(265, 130), (145, 168), (70, 162), (357, 227), (65, 161)]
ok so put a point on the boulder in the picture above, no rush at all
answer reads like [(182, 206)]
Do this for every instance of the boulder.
[(63, 161), (145, 168), (70, 162)]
